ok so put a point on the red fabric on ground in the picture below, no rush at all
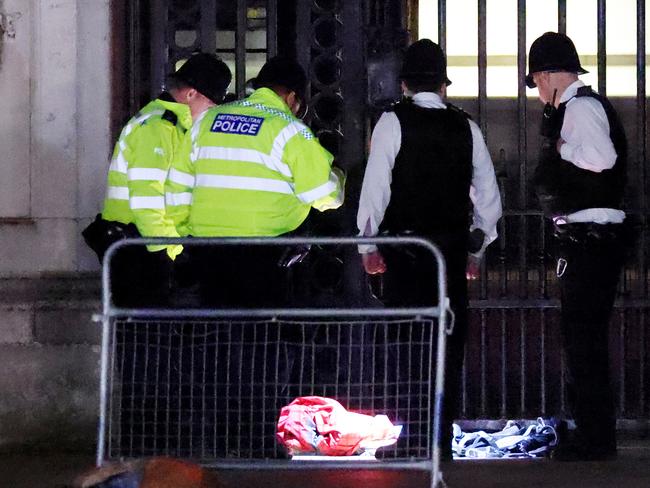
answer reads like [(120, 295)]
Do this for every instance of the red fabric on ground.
[(323, 426)]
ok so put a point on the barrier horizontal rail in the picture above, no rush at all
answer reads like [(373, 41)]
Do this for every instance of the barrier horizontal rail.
[(439, 311)]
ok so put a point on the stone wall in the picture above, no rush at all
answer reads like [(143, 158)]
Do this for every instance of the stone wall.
[(49, 346), (55, 140), (55, 87)]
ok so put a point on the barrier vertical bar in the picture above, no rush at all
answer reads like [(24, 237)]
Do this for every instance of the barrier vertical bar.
[(543, 285), (522, 359), (503, 411), (103, 391), (622, 336), (642, 361), (542, 361), (436, 475), (103, 361), (484, 366)]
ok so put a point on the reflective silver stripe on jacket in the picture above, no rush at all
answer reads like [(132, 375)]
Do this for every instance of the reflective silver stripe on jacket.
[(117, 193), (147, 203), (244, 183), (244, 155), (176, 199)]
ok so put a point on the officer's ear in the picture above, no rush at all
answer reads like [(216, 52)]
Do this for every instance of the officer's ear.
[(294, 103), (191, 94)]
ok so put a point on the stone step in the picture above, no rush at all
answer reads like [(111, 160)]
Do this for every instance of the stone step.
[(53, 310), (49, 396), (50, 289), (61, 323)]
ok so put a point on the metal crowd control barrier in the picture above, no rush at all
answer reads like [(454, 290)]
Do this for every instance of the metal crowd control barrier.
[(166, 387)]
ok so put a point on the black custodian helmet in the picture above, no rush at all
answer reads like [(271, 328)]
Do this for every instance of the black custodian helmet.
[(283, 71), (552, 51), (207, 74), (425, 61)]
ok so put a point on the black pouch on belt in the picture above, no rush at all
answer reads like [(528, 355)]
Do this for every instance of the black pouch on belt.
[(100, 234)]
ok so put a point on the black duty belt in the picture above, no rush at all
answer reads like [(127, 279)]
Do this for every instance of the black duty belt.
[(587, 232)]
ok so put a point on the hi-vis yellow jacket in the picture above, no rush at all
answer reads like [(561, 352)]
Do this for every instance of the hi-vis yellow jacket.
[(141, 161), (250, 168)]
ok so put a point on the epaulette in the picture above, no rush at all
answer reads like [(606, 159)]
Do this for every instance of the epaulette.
[(458, 110), (170, 116), (585, 91)]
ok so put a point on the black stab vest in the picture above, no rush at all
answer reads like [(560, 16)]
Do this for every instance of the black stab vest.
[(561, 186), (432, 172)]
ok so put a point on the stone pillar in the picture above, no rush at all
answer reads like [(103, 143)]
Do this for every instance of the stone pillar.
[(55, 79)]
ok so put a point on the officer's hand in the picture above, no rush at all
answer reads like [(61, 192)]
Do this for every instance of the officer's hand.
[(476, 240), (473, 270), (185, 273), (558, 144), (373, 263)]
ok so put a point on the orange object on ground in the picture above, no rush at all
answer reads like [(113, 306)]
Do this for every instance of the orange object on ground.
[(158, 472), (172, 473), (320, 425)]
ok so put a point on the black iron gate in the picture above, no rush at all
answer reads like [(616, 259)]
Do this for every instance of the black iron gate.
[(351, 49), (513, 361)]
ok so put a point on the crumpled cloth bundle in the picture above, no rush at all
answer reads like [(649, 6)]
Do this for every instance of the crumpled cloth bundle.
[(513, 441), (319, 425)]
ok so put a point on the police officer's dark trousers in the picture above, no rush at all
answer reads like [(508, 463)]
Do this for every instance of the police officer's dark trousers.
[(245, 366), (588, 268), (411, 279), (140, 279)]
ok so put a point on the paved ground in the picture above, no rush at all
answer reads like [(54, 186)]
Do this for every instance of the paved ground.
[(630, 470)]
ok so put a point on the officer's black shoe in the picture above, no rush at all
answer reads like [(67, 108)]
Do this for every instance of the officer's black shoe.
[(446, 452), (446, 456), (570, 452)]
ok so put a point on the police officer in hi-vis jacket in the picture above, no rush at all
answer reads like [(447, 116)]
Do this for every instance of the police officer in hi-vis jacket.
[(251, 168), (135, 193)]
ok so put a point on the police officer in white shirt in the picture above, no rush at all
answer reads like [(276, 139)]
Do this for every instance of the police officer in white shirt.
[(579, 182), (428, 164)]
